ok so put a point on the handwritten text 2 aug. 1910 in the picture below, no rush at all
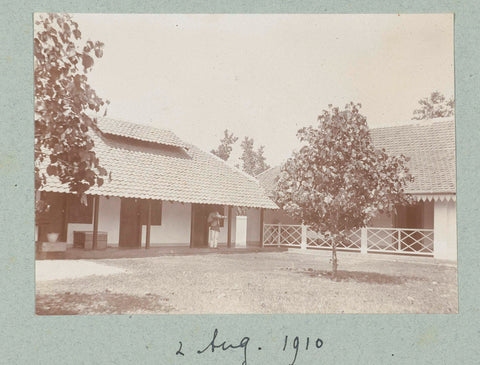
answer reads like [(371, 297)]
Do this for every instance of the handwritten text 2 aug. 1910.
[(294, 346)]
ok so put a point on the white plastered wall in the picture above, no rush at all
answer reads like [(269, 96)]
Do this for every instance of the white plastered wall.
[(175, 228), (108, 221), (109, 218), (445, 230), (253, 227)]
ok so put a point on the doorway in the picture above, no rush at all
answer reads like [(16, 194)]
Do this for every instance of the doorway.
[(130, 223), (199, 233), (55, 218)]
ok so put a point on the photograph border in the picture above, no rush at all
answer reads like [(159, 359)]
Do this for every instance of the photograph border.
[(155, 339)]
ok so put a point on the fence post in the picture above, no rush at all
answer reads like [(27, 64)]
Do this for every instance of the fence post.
[(279, 235), (363, 240), (303, 242), (399, 240)]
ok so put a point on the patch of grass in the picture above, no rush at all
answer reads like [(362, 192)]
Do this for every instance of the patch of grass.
[(101, 303)]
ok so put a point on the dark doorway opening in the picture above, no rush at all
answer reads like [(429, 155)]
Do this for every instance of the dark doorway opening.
[(199, 233), (55, 218), (410, 218), (130, 223)]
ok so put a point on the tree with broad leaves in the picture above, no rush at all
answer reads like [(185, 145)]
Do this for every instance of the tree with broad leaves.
[(339, 180), (63, 98), (225, 148), (434, 106), (253, 162)]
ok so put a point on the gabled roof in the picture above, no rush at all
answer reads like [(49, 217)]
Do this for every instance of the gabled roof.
[(430, 145), (147, 170), (140, 132)]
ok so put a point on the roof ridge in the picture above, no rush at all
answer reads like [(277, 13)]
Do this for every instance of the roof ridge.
[(267, 170), (236, 169), (141, 132), (121, 120), (418, 122)]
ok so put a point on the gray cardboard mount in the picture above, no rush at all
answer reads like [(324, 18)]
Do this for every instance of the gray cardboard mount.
[(348, 339)]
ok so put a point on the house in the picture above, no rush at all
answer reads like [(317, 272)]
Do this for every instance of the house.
[(430, 145), (160, 192)]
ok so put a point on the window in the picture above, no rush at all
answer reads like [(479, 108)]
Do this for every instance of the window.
[(78, 212), (156, 217)]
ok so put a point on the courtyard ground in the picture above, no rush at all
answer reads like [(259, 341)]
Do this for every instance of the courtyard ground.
[(256, 282)]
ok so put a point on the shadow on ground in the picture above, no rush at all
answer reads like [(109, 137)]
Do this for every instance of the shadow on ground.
[(102, 303), (358, 276)]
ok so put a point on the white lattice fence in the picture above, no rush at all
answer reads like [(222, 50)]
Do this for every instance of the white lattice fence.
[(318, 241), (353, 241), (270, 235), (282, 235), (400, 240), (369, 239)]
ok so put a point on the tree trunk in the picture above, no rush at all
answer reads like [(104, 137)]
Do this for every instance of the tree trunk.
[(334, 258)]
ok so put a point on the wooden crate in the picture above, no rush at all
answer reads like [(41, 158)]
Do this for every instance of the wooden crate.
[(84, 239)]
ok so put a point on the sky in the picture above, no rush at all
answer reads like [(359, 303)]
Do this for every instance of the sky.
[(266, 76)]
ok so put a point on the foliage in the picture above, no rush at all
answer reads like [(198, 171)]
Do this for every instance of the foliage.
[(253, 162), (225, 148), (41, 206), (435, 106), (338, 180), (63, 147)]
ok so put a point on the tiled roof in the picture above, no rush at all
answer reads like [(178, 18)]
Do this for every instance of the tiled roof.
[(140, 132), (268, 179), (146, 171), (430, 145)]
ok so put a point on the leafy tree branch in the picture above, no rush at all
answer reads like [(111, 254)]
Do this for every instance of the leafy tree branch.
[(63, 100), (339, 180)]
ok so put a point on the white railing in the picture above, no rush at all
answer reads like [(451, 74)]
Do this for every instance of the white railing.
[(369, 239), (288, 235), (318, 241), (400, 240)]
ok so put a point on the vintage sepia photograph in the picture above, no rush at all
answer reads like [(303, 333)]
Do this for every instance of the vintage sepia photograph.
[(244, 164)]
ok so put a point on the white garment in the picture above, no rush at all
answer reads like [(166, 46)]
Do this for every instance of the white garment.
[(212, 238)]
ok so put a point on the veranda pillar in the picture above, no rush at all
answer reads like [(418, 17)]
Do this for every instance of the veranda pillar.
[(445, 230), (229, 225), (149, 223), (95, 221), (262, 213)]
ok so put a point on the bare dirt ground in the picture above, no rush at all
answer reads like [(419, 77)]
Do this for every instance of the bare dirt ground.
[(71, 269), (267, 282)]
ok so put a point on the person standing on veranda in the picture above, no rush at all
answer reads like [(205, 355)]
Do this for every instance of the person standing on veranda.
[(214, 228)]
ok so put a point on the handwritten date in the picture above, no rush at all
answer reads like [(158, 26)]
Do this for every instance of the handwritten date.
[(306, 344)]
